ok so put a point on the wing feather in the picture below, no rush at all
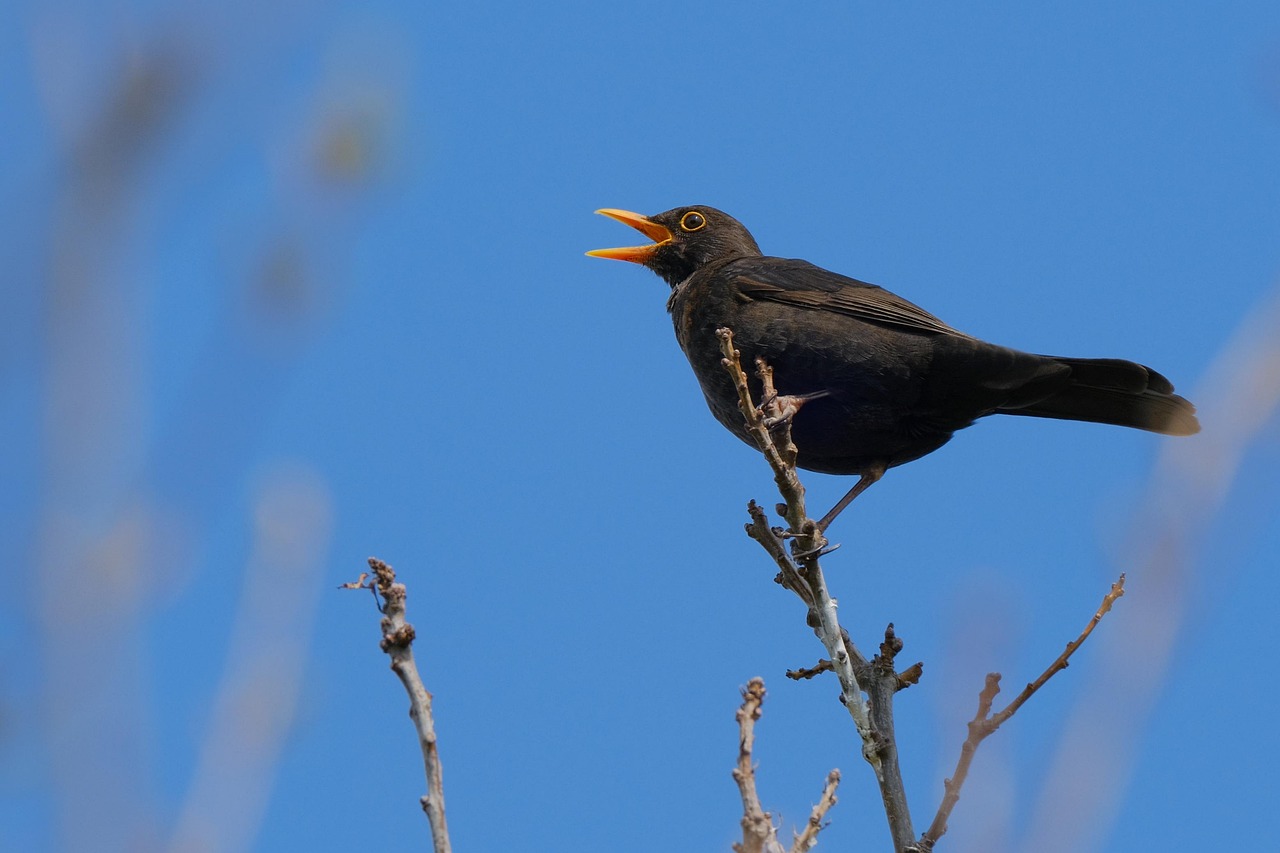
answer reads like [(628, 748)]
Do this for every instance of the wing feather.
[(803, 285)]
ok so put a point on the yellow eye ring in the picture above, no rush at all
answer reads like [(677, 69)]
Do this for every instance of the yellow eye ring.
[(693, 221)]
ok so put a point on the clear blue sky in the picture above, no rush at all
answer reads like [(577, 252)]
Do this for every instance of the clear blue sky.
[(290, 287)]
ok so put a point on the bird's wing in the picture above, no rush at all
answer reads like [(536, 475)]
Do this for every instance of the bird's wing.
[(803, 285)]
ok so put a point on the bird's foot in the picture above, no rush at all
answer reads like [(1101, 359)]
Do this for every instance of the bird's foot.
[(780, 409), (821, 551)]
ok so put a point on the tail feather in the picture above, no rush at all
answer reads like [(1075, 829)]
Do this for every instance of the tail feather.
[(1113, 391)]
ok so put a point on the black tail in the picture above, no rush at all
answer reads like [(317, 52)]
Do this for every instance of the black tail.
[(1112, 391)]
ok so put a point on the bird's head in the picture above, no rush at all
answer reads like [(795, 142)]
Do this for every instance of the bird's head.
[(684, 240)]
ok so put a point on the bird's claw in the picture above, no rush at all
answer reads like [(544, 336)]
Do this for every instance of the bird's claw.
[(784, 407), (783, 410), (821, 551)]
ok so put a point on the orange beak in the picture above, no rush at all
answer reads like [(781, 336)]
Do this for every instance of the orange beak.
[(635, 254)]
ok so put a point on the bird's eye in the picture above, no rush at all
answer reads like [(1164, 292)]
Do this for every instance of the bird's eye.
[(692, 221)]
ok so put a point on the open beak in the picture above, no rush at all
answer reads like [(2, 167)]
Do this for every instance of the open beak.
[(635, 254)]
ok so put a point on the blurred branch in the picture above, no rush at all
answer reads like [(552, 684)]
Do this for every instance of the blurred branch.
[(1239, 397), (125, 493), (97, 532), (801, 573), (144, 99), (397, 641), (984, 723), (256, 703), (759, 835)]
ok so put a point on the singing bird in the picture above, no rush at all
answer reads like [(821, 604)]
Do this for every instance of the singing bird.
[(870, 381)]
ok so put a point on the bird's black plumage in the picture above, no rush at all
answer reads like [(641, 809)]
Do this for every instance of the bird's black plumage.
[(878, 380)]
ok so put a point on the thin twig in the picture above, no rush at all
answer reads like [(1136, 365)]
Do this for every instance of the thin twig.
[(397, 641), (805, 673), (787, 450), (952, 786), (770, 539), (984, 722), (789, 485), (910, 675), (807, 839), (883, 683), (808, 582), (1116, 591), (759, 835)]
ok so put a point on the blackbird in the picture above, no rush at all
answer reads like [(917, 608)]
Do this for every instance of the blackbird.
[(870, 380)]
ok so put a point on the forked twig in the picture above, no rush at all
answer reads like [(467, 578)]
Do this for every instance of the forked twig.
[(782, 461), (759, 835), (801, 572), (806, 580), (807, 839), (984, 722)]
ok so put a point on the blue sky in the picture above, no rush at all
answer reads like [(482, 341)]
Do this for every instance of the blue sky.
[(293, 286)]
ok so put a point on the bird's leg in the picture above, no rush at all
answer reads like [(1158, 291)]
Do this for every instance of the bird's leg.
[(868, 477)]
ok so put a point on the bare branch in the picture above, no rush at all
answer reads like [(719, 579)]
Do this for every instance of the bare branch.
[(803, 674), (397, 641), (784, 474), (759, 835), (952, 785), (800, 572), (260, 691), (1117, 590), (770, 538), (1188, 495), (984, 723), (808, 582), (910, 675), (807, 839)]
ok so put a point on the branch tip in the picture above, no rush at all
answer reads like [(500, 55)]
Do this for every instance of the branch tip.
[(984, 722), (397, 641)]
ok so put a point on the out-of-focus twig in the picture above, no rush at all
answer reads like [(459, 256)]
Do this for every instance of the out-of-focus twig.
[(397, 641), (1238, 397), (984, 722), (96, 530), (253, 711)]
